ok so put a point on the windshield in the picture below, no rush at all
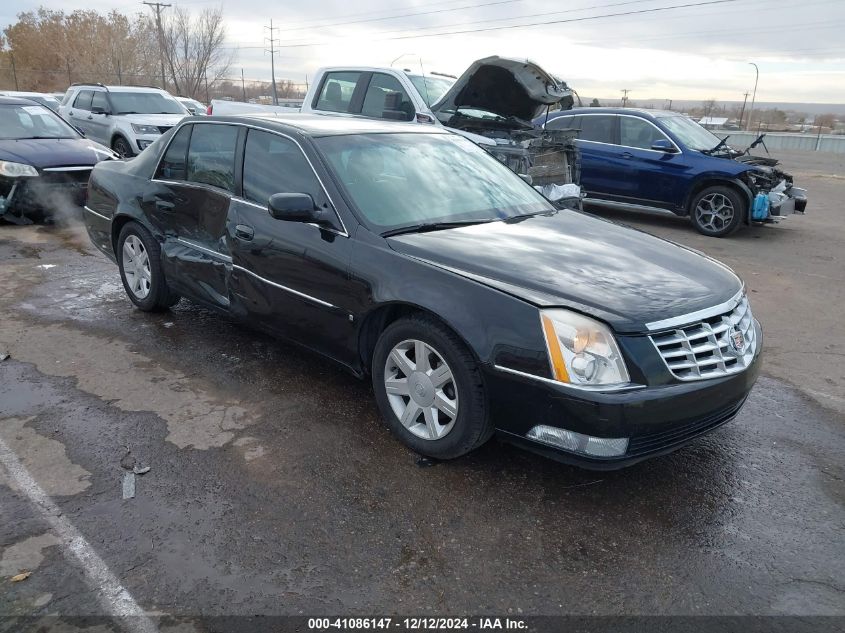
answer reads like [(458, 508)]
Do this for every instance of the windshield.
[(402, 180), (32, 121), (690, 133), (144, 103), (431, 88)]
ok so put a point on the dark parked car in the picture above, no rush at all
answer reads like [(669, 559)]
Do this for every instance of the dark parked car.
[(407, 253), (44, 162), (661, 160)]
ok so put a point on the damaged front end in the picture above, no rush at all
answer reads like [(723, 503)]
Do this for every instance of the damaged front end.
[(494, 103), (775, 194), (27, 195)]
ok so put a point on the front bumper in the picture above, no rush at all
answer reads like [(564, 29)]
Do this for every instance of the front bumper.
[(657, 419), (53, 190)]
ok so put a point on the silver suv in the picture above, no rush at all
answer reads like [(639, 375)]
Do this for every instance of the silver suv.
[(125, 118)]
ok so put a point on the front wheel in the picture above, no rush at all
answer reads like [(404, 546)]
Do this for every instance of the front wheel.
[(717, 211), (429, 388), (139, 259), (122, 147)]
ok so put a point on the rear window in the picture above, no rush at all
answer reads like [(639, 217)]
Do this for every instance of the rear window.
[(83, 100), (211, 156), (336, 94)]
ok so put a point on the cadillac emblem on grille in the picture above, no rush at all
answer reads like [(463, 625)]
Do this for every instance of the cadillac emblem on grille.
[(737, 340)]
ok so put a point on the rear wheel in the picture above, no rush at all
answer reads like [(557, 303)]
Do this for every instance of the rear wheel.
[(139, 260), (429, 388), (717, 211)]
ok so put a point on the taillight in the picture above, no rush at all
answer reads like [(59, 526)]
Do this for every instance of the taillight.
[(208, 109)]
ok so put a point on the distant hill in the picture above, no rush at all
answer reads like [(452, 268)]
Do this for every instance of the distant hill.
[(684, 104)]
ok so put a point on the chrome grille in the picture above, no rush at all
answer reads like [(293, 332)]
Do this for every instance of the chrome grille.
[(707, 349)]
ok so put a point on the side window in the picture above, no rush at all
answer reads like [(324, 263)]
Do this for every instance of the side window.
[(598, 128), (274, 164), (173, 165), (561, 123), (211, 156), (634, 132), (98, 100), (83, 100), (386, 99), (337, 92)]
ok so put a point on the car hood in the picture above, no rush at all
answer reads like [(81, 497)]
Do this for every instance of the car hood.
[(508, 87), (622, 276), (154, 119), (54, 152)]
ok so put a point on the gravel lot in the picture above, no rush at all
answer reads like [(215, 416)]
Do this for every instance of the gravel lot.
[(275, 490)]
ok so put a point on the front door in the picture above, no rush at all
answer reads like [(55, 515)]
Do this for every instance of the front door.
[(289, 276)]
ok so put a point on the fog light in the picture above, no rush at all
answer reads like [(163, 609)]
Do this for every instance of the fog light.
[(142, 144), (578, 442)]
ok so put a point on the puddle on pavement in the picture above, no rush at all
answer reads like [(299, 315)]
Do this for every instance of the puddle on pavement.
[(44, 458), (129, 381), (26, 555)]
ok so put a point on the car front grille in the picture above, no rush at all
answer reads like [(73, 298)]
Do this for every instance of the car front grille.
[(717, 346)]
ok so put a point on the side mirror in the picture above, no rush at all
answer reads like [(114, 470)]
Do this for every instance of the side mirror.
[(662, 145), (293, 207)]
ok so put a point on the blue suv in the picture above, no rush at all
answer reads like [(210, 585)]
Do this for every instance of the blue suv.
[(665, 161)]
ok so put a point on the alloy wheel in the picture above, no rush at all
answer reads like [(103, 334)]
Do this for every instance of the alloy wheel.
[(136, 267), (714, 212), (421, 389)]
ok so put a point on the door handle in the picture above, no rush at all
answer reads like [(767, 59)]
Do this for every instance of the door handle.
[(244, 232), (628, 155), (90, 117)]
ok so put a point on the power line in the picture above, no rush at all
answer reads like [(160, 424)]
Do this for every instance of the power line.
[(533, 24)]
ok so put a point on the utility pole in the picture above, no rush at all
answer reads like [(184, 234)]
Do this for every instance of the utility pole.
[(67, 65), (157, 7), (754, 95), (742, 112), (14, 70), (625, 97), (119, 75), (243, 85), (272, 52)]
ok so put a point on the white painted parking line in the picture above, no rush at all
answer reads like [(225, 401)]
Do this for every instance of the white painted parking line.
[(115, 599)]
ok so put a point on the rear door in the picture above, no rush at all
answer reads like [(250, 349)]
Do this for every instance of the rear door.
[(99, 118), (80, 111), (289, 276), (599, 153), (189, 201)]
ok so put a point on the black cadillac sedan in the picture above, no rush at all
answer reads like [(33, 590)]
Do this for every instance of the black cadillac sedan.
[(44, 161), (410, 255)]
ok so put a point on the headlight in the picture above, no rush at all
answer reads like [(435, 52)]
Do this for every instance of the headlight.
[(582, 351), (145, 129), (16, 170)]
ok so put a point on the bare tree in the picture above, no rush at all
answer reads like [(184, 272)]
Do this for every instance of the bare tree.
[(193, 50), (709, 107)]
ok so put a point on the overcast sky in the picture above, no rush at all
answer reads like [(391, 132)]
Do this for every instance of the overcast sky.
[(694, 52)]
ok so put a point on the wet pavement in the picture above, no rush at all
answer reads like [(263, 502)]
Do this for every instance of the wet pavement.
[(275, 489)]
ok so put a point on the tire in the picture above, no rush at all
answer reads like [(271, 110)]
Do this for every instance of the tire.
[(122, 147), (145, 283), (717, 211), (431, 429)]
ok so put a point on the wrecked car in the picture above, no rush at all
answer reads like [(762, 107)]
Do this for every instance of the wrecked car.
[(492, 103), (44, 162), (415, 259), (658, 160)]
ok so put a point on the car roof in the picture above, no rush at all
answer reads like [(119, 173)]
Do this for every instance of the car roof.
[(23, 93), (117, 88), (324, 125), (18, 101), (587, 110)]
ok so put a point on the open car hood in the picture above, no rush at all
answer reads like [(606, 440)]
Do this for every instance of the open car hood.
[(516, 88)]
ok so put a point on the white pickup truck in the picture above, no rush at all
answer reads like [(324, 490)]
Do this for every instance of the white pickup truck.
[(493, 102)]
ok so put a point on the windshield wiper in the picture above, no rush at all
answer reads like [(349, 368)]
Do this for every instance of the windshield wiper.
[(432, 226), (719, 146)]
